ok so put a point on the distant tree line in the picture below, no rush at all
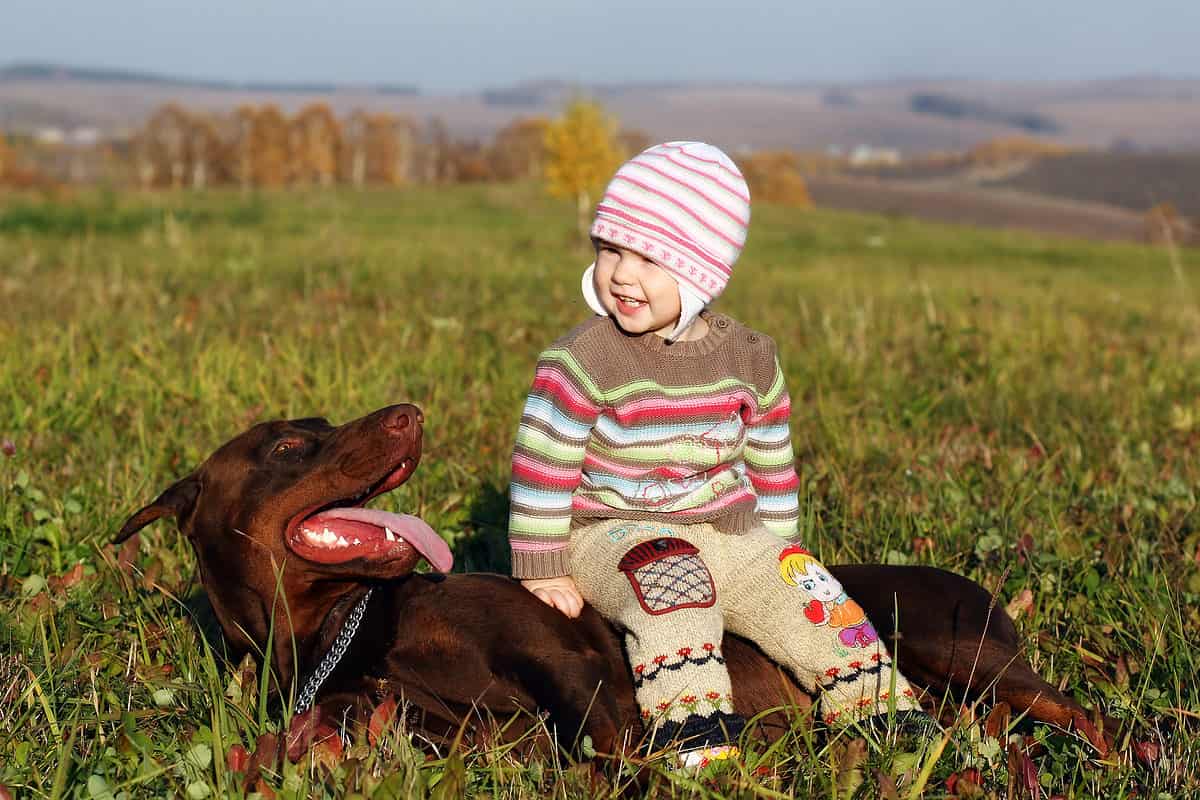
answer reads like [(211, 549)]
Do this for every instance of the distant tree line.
[(260, 146), (945, 105), (575, 153)]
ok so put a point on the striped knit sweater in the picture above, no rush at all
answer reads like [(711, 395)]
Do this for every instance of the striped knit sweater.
[(632, 427)]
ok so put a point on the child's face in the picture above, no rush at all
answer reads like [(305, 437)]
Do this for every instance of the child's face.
[(639, 294)]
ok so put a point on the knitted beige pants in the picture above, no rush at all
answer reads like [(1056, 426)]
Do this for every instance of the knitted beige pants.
[(675, 589)]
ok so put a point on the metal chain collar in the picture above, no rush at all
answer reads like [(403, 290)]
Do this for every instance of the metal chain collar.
[(331, 659)]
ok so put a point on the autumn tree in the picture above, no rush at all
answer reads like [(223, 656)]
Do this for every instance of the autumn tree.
[(352, 162), (519, 150), (774, 177), (435, 162), (6, 158), (239, 155), (204, 153), (315, 142), (162, 148), (390, 148), (376, 148), (469, 163), (269, 148), (581, 154)]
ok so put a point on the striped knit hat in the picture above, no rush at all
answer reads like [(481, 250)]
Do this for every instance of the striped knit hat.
[(684, 206)]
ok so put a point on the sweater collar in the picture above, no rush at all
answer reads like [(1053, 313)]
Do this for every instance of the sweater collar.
[(719, 327)]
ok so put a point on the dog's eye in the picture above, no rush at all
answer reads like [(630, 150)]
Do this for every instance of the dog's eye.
[(287, 447)]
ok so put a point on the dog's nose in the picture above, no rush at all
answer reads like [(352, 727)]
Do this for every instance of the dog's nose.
[(399, 418)]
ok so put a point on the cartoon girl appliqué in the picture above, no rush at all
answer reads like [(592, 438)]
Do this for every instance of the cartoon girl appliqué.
[(830, 605)]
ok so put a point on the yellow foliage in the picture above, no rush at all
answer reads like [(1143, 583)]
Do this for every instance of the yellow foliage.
[(581, 154), (270, 154), (1014, 148), (774, 177), (316, 140), (5, 157)]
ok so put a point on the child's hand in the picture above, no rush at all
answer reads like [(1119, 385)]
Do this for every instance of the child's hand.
[(561, 593)]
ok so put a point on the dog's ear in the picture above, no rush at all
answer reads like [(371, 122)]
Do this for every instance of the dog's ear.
[(178, 500)]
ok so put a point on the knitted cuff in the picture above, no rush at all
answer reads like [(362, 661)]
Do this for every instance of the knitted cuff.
[(540, 564), (696, 731)]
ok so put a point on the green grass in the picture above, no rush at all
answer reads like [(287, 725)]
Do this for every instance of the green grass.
[(1030, 407)]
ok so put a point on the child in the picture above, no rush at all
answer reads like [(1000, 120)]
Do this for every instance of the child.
[(653, 475)]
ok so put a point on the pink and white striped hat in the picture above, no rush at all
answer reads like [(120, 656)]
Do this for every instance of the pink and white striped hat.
[(684, 206)]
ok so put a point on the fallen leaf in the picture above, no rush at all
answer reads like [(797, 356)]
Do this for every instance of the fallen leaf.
[(327, 745), (71, 577), (266, 756), (301, 733), (381, 719), (1029, 776), (1025, 546), (1146, 752), (238, 758), (967, 783), (152, 574), (1020, 604), (127, 555), (921, 545), (1121, 672)]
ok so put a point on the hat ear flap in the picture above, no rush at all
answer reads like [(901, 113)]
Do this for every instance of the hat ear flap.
[(179, 500), (588, 285)]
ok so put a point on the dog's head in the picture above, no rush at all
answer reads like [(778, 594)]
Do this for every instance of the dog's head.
[(281, 506)]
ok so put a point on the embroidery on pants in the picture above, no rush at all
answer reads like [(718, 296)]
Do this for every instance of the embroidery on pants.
[(684, 658), (668, 574), (616, 535), (829, 604)]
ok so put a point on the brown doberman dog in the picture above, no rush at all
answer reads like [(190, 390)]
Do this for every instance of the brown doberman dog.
[(288, 554)]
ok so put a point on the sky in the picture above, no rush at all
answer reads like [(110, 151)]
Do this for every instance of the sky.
[(461, 45)]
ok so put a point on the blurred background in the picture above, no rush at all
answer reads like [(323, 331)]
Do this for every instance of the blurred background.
[(1068, 117)]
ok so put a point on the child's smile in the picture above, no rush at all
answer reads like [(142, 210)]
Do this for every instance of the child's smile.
[(629, 305)]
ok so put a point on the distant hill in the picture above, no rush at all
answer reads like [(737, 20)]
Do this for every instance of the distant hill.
[(54, 73), (1140, 113)]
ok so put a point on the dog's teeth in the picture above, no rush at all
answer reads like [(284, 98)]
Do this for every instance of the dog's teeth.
[(387, 534), (342, 541), (356, 541), (328, 536)]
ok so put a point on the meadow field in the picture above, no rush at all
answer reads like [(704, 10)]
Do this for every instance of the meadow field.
[(1023, 410)]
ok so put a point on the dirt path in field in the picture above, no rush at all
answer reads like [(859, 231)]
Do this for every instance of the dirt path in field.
[(989, 208)]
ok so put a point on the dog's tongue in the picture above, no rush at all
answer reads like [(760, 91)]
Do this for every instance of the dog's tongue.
[(409, 528)]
